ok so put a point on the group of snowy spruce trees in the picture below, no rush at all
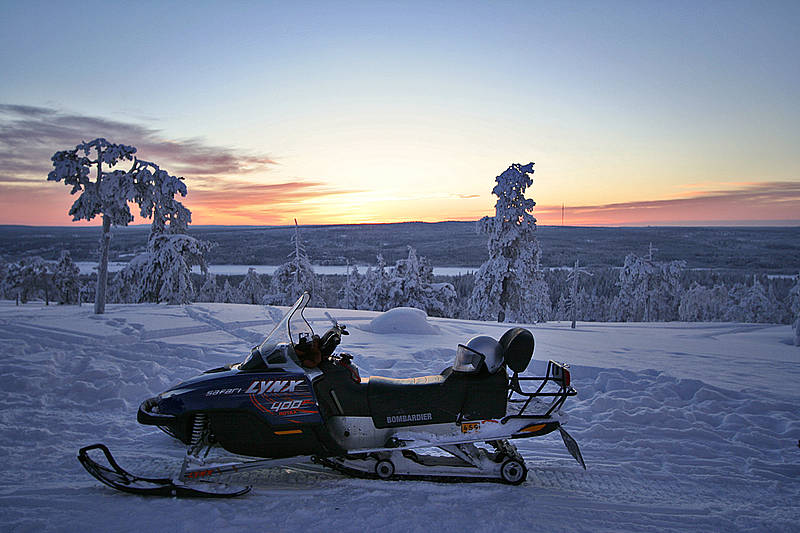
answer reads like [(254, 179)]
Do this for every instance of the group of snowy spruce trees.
[(511, 286)]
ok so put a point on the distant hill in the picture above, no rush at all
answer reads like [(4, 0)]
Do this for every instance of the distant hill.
[(767, 249)]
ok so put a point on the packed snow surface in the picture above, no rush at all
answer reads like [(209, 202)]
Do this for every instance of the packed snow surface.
[(399, 320), (684, 427)]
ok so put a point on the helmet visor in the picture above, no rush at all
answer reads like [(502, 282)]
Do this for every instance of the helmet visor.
[(467, 360)]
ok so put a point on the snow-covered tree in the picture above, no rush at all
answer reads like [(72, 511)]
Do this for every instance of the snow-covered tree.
[(537, 296), (573, 304), (510, 286), (175, 255), (3, 274), (411, 285), (66, 279), (162, 273), (665, 291), (295, 276), (561, 310), (12, 281), (750, 303), (251, 291), (648, 290), (228, 294), (209, 289), (155, 195), (377, 286), (28, 278), (794, 306), (108, 195), (351, 293), (634, 286)]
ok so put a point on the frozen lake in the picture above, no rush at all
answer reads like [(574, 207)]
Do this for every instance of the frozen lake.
[(87, 267)]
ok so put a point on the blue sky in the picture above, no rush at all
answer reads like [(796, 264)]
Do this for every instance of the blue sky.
[(384, 111)]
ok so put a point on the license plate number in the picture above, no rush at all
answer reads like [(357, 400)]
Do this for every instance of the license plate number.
[(467, 427)]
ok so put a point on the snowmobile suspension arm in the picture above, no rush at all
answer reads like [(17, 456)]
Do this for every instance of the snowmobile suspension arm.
[(191, 470)]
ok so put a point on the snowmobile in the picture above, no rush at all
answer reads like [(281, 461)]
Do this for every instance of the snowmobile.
[(294, 399)]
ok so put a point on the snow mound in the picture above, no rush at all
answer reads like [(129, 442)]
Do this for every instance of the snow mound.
[(408, 320)]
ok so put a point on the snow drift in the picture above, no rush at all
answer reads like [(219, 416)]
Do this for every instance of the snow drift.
[(683, 427)]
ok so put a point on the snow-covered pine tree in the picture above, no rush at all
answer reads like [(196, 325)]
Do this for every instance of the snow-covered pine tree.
[(66, 279), (648, 290), (411, 285), (251, 291), (12, 281), (751, 303), (295, 276), (794, 306), (561, 311), (3, 274), (228, 294), (377, 286), (173, 257), (634, 286), (508, 287), (163, 272), (351, 293), (666, 290), (572, 300), (692, 307), (108, 195), (537, 294), (587, 305), (209, 289), (28, 278)]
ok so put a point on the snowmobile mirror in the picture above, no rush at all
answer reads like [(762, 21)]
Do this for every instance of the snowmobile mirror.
[(518, 345)]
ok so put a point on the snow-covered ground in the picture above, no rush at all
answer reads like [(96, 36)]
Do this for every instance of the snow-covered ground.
[(684, 427)]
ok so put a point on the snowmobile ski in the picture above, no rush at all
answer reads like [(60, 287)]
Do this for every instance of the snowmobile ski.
[(118, 478)]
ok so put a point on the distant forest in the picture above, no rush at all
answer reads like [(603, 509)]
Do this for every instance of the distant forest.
[(766, 250)]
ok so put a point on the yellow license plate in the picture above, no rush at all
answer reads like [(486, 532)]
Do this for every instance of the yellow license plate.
[(470, 426)]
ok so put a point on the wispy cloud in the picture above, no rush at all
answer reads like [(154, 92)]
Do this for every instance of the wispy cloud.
[(723, 203), (30, 135), (222, 181)]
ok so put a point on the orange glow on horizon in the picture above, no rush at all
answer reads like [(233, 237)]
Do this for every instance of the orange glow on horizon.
[(747, 204)]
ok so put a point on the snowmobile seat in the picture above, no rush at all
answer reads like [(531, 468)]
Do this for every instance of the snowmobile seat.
[(518, 345), (445, 398)]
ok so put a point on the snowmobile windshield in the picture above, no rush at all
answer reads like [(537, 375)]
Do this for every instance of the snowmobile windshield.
[(292, 324), (467, 360)]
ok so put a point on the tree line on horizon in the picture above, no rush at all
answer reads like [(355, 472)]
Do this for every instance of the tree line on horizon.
[(511, 286)]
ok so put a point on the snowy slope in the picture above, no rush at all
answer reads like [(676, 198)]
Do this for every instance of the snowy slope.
[(683, 427)]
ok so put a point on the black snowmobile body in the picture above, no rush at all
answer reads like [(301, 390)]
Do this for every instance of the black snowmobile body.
[(281, 413), (278, 407)]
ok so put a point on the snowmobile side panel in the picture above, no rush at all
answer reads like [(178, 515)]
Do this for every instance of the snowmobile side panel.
[(245, 433), (262, 414), (338, 393)]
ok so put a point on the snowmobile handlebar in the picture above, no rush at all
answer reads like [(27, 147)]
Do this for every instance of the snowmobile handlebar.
[(332, 338)]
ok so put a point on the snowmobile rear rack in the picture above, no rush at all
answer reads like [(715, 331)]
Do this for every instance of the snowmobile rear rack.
[(557, 373)]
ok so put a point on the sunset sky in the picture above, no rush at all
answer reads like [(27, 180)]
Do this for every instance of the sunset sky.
[(635, 112)]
